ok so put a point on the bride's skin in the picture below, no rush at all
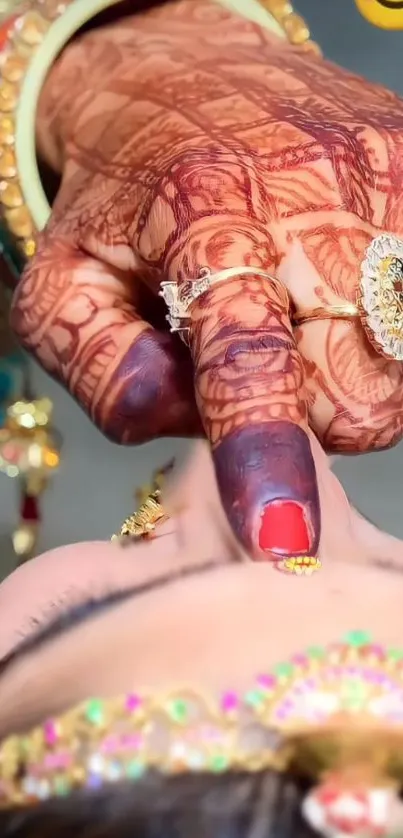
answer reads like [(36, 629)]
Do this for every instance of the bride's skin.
[(202, 613), (190, 137)]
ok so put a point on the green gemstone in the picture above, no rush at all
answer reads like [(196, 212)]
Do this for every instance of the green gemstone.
[(358, 638), (135, 769), (395, 654), (178, 710), (218, 763), (62, 787), (255, 698), (316, 652), (95, 711), (354, 695), (284, 670)]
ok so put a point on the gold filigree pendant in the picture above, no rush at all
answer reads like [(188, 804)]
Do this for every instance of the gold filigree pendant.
[(381, 300)]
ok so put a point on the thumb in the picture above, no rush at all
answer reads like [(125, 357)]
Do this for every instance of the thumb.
[(250, 393)]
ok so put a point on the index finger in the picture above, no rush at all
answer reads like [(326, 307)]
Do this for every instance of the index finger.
[(250, 392)]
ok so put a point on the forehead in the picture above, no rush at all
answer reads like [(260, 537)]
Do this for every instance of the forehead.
[(211, 633)]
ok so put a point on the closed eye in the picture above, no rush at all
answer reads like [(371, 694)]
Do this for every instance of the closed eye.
[(62, 613), (79, 613)]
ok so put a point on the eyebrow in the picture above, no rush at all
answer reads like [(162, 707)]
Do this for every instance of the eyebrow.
[(91, 608)]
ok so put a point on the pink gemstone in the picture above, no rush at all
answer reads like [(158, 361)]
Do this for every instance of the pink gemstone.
[(266, 681), (229, 702), (56, 761), (377, 650), (50, 732), (300, 660), (133, 702), (126, 742), (110, 745), (135, 740)]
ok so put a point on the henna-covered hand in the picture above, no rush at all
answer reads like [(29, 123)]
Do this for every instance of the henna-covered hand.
[(186, 138)]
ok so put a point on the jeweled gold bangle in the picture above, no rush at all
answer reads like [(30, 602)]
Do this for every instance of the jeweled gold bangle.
[(30, 40)]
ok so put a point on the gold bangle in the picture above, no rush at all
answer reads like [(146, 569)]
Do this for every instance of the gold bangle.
[(293, 25), (347, 311), (31, 41)]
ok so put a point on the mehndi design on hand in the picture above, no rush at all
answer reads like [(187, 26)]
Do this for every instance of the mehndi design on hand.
[(271, 158)]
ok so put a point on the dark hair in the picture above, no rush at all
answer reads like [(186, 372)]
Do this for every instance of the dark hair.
[(232, 805)]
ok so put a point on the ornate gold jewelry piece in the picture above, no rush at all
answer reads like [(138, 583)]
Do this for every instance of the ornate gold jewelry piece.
[(333, 713), (142, 523), (29, 452), (300, 566), (20, 35), (380, 301)]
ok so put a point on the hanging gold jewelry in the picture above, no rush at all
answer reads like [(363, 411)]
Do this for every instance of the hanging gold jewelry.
[(30, 453), (142, 523)]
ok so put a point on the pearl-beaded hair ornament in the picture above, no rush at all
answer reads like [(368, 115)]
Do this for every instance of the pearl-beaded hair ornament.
[(334, 714)]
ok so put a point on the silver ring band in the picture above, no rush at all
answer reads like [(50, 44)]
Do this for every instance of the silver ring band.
[(179, 298)]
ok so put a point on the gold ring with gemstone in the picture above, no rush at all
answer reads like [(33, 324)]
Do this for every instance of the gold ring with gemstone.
[(379, 305)]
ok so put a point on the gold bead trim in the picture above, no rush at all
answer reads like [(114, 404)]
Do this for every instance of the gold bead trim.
[(25, 34), (294, 26)]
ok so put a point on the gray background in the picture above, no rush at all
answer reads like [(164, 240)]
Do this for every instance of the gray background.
[(94, 488)]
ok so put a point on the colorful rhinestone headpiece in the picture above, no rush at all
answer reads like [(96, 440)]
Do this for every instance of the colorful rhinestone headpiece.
[(334, 713)]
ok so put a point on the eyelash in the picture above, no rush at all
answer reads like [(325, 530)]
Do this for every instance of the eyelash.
[(71, 602), (47, 612)]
